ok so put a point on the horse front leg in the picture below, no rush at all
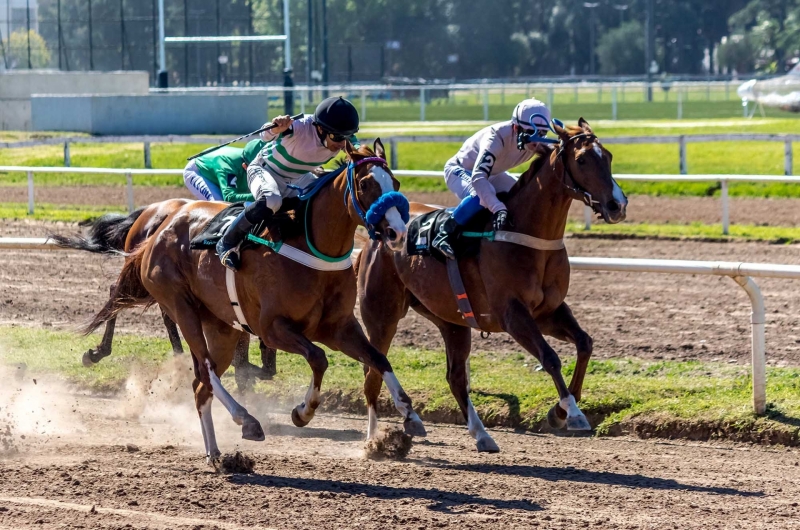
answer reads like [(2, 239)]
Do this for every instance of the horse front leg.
[(519, 323), (351, 341), (561, 324)]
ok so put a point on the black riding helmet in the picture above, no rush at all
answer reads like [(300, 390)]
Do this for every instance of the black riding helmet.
[(337, 116)]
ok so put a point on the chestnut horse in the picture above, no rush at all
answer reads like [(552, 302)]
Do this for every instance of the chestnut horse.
[(288, 305), (513, 288)]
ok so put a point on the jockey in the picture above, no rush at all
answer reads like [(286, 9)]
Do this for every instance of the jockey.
[(222, 175), (284, 166), (479, 170)]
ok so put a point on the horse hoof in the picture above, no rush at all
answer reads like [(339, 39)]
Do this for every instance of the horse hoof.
[(578, 423), (90, 358), (414, 428), (251, 430), (213, 459), (297, 420), (553, 420), (487, 445), (265, 375)]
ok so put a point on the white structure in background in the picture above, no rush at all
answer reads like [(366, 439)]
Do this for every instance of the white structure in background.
[(14, 16), (782, 92)]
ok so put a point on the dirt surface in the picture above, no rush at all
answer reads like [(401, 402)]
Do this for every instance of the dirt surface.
[(652, 316), (642, 208), (87, 462)]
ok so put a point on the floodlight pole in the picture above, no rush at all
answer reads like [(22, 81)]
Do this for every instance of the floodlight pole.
[(288, 83), (162, 54)]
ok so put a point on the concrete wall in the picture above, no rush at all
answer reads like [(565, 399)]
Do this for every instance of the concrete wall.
[(156, 114), (16, 88)]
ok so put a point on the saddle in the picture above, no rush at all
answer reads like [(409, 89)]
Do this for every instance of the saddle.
[(423, 229)]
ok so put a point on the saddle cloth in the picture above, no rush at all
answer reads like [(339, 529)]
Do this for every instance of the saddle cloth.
[(423, 229), (281, 224)]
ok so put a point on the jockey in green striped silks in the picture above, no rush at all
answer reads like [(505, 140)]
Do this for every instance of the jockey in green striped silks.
[(285, 165)]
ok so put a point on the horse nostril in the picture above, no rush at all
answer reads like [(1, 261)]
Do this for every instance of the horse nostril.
[(391, 234), (612, 206)]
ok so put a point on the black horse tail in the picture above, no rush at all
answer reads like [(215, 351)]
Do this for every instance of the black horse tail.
[(106, 235), (128, 291)]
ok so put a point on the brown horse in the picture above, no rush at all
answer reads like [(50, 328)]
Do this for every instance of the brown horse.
[(515, 289), (287, 305)]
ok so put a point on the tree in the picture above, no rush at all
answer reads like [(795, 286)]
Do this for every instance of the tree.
[(17, 50), (621, 50), (739, 52)]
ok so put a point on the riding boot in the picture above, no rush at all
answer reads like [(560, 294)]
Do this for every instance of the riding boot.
[(446, 237), (228, 245)]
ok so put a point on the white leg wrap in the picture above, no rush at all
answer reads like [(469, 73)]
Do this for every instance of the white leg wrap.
[(474, 423), (237, 411), (372, 423), (207, 426), (394, 390), (306, 411), (569, 405)]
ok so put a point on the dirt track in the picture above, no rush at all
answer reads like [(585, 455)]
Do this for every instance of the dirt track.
[(317, 477)]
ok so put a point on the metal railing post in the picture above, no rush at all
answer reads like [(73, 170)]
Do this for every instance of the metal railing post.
[(587, 217), (682, 153), (550, 97), (422, 104), (485, 104), (148, 157), (67, 156), (363, 105), (725, 211), (787, 157), (393, 153), (680, 103), (302, 101), (30, 192), (129, 179), (614, 103), (757, 342)]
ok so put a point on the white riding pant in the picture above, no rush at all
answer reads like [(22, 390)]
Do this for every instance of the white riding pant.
[(198, 185), (459, 180), (274, 188)]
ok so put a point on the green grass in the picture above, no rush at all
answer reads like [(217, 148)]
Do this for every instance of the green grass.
[(55, 212), (693, 230), (505, 388)]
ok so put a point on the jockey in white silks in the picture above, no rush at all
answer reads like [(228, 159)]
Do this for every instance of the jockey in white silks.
[(286, 163), (479, 170)]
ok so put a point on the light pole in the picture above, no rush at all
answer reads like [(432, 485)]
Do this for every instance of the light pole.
[(163, 80), (288, 82), (648, 48), (592, 29)]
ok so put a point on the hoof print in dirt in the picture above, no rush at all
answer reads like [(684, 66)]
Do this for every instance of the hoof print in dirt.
[(392, 443), (237, 463)]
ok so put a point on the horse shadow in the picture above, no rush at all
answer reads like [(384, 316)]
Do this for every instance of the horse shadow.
[(338, 435), (512, 402), (572, 474), (441, 500), (775, 414)]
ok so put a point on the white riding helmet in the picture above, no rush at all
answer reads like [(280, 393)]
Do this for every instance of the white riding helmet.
[(527, 109)]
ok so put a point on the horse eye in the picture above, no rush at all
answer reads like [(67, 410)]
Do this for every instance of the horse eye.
[(581, 160)]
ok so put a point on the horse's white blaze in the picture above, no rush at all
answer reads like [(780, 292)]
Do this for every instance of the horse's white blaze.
[(306, 411), (237, 411), (617, 194), (372, 424), (207, 426), (396, 222), (383, 178), (597, 150)]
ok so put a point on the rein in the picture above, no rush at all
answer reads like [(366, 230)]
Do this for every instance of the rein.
[(576, 191), (378, 210)]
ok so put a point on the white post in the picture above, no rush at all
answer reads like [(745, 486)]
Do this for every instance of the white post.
[(302, 101), (527, 91), (287, 45), (599, 92), (680, 103), (148, 158), (614, 103), (393, 148), (744, 108), (550, 97), (363, 105), (30, 192), (129, 178), (682, 152), (787, 157), (587, 217), (485, 104), (67, 157), (422, 104), (725, 211), (162, 54), (757, 320)]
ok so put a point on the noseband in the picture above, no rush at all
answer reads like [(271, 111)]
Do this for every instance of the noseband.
[(377, 211)]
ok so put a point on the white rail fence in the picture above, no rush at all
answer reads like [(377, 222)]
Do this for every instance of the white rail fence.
[(741, 273), (721, 180), (393, 141)]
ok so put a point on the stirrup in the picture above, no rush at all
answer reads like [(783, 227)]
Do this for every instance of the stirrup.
[(442, 243), (231, 259)]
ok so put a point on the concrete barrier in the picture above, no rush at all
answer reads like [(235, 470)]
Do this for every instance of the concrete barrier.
[(154, 114)]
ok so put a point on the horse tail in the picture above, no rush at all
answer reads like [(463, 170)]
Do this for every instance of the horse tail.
[(128, 292), (106, 235)]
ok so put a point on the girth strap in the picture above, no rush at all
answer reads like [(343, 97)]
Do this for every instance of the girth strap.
[(230, 284), (454, 275)]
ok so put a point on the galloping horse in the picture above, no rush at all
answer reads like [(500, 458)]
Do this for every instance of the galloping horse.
[(287, 304), (518, 288)]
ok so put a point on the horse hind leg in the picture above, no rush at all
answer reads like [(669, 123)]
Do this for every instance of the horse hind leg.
[(562, 325), (94, 356), (172, 333), (457, 341)]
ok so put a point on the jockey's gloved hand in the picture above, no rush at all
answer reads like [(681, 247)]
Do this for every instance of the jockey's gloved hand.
[(500, 220)]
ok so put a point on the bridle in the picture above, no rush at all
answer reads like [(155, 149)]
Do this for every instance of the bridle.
[(377, 211)]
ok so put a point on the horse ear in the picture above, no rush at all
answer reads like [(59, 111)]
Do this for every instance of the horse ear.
[(583, 124), (560, 130), (377, 146)]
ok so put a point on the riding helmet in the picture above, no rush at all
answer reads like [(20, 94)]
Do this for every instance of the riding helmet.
[(528, 109), (337, 115)]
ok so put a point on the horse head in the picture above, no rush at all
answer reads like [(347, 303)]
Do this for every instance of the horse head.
[(587, 164), (372, 197)]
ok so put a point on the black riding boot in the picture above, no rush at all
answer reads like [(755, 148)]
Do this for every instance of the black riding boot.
[(228, 245), (446, 237)]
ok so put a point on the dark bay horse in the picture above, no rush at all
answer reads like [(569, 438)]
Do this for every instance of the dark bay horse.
[(513, 288), (289, 306)]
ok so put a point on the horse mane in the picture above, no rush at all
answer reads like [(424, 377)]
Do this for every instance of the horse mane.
[(538, 163)]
